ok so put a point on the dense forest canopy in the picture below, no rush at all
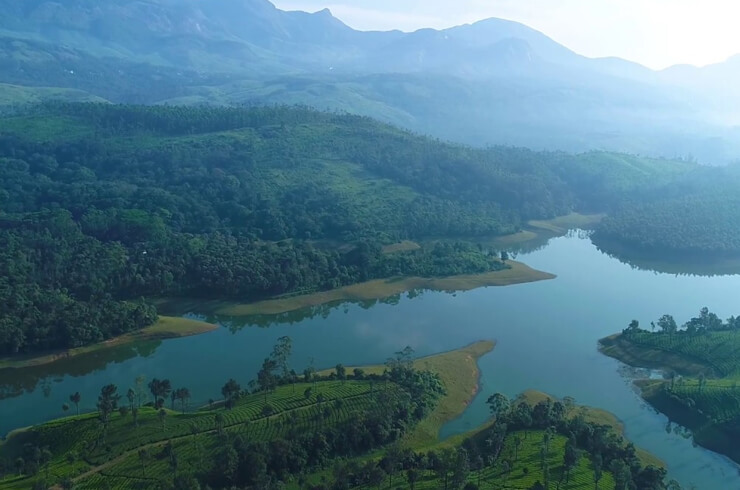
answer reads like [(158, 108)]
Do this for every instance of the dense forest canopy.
[(102, 206), (694, 217)]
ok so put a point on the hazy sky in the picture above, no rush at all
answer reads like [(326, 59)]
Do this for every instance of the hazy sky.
[(656, 33)]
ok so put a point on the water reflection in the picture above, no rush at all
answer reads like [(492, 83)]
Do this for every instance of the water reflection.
[(16, 382), (698, 265)]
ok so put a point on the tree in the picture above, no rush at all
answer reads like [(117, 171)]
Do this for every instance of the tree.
[(570, 458), (280, 355), (184, 397), (265, 378), (499, 405), (65, 408), (391, 461), (20, 464), (597, 464), (376, 476), (634, 326), (667, 324), (622, 474), (341, 372), (412, 476), (231, 391), (108, 401), (75, 398), (517, 444), (461, 468), (307, 393), (160, 390)]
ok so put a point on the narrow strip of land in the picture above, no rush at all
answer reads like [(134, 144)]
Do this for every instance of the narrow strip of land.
[(518, 273), (165, 328)]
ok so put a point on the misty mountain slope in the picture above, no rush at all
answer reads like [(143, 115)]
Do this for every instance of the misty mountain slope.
[(492, 82)]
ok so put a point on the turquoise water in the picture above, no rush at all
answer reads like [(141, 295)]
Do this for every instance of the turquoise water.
[(547, 336)]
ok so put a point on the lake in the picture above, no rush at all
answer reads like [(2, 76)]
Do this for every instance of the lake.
[(547, 336)]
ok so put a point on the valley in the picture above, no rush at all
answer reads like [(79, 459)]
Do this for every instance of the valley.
[(252, 248)]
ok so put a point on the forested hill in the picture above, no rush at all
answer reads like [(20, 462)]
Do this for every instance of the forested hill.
[(105, 205), (694, 218)]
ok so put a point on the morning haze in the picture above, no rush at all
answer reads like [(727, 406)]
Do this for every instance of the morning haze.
[(419, 245)]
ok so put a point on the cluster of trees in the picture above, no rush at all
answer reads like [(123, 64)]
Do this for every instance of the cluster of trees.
[(454, 466), (704, 323)]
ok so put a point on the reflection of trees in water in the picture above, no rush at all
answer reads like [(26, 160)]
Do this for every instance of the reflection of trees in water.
[(694, 265), (235, 324), (16, 382)]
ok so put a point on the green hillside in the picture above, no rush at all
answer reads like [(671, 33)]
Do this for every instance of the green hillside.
[(104, 205)]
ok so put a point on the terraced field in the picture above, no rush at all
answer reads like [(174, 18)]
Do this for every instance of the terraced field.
[(719, 351), (95, 457), (525, 468)]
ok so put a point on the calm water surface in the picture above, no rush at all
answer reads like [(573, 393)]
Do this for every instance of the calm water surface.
[(547, 335)]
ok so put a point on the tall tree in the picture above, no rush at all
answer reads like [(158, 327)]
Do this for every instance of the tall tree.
[(266, 378), (108, 402), (231, 392), (498, 404), (281, 355)]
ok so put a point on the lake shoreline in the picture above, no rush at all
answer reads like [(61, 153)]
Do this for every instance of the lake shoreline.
[(378, 289), (638, 356), (166, 328), (654, 392)]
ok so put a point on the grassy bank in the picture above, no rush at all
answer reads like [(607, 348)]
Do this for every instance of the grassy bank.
[(641, 356), (459, 372), (539, 231), (383, 288), (165, 328)]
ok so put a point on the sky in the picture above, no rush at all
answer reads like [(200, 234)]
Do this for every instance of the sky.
[(655, 33)]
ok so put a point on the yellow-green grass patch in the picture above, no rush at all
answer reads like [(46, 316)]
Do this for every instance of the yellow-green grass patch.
[(404, 246)]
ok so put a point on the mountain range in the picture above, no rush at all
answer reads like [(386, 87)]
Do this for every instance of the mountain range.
[(492, 82)]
